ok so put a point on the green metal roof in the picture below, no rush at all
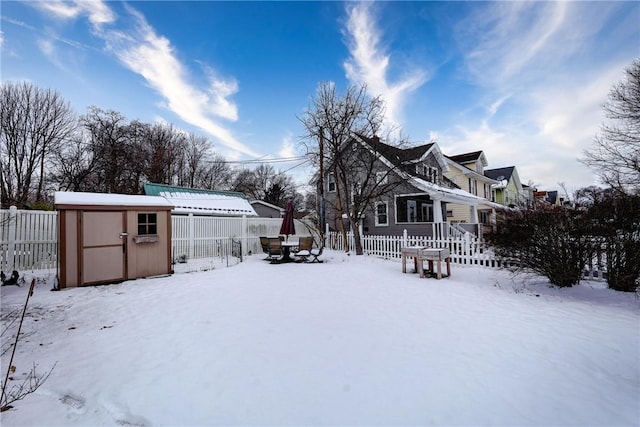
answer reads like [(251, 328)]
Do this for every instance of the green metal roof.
[(151, 189)]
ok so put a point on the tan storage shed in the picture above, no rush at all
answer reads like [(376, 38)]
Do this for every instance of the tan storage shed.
[(108, 238)]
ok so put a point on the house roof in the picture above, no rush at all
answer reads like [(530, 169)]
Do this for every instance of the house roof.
[(200, 201), (469, 157), (466, 170), (500, 173), (404, 158), (270, 205)]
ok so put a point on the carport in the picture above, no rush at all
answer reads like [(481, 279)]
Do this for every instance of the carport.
[(108, 238)]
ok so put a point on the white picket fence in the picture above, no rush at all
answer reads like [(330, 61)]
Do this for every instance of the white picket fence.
[(465, 249)]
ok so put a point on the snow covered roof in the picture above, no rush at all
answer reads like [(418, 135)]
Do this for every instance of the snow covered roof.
[(208, 204), (451, 195), (105, 199), (203, 202)]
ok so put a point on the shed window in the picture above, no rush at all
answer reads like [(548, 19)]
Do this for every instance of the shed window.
[(147, 224)]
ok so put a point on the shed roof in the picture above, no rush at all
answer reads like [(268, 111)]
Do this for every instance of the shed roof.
[(72, 198), (204, 202)]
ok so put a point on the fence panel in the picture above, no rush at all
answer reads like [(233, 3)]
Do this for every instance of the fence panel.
[(28, 239)]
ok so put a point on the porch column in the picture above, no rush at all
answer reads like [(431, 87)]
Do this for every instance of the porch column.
[(437, 210), (473, 210)]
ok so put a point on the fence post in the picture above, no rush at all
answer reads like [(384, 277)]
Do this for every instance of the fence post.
[(245, 234), (404, 238), (192, 237), (11, 247)]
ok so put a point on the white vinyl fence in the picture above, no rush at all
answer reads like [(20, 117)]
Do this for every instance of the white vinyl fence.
[(29, 239)]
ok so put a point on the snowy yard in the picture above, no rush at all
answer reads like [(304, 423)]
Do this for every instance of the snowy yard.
[(352, 341)]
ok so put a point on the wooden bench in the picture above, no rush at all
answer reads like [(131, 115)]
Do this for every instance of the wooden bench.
[(421, 254)]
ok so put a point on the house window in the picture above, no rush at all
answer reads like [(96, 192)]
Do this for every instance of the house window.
[(331, 183), (433, 175), (473, 186), (487, 191), (485, 216), (416, 208), (449, 214), (147, 224), (382, 213)]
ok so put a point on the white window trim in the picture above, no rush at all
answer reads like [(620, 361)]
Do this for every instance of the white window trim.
[(331, 178), (386, 206)]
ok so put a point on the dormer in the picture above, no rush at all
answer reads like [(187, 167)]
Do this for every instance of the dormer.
[(475, 160)]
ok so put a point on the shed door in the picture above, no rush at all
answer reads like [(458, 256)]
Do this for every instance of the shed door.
[(103, 247)]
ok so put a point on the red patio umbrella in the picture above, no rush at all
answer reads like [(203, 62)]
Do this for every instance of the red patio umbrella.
[(288, 227)]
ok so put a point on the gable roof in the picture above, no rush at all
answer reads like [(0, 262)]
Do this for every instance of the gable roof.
[(467, 170), (500, 173), (405, 158), (470, 157), (200, 201)]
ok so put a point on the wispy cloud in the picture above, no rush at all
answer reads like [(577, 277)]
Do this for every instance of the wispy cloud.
[(531, 55), (97, 12), (369, 63), (139, 48)]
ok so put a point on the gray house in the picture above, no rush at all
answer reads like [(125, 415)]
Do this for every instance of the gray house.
[(413, 192), (267, 210)]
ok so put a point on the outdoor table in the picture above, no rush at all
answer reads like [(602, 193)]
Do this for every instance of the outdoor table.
[(435, 255), (286, 251), (421, 254), (410, 252)]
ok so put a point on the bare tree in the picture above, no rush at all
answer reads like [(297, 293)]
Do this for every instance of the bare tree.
[(337, 138), (73, 165), (216, 174), (33, 124), (265, 183), (615, 154)]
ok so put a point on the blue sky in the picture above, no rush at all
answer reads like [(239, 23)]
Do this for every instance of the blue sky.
[(522, 81)]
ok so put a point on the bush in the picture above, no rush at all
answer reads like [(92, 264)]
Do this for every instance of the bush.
[(551, 242), (615, 222)]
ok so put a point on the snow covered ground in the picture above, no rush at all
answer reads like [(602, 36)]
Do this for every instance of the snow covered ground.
[(352, 341)]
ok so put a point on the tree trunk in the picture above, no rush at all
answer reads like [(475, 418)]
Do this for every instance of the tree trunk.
[(357, 238), (339, 210)]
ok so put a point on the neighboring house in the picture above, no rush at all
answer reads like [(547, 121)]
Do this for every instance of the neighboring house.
[(202, 202), (528, 194), (508, 190), (550, 198), (267, 210), (420, 198), (467, 172)]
